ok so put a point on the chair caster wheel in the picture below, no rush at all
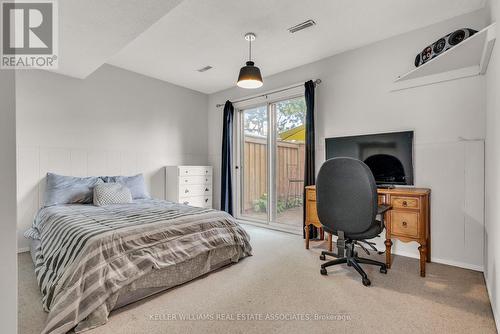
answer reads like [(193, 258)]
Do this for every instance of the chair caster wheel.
[(323, 271), (349, 264), (366, 282), (383, 270), (322, 257)]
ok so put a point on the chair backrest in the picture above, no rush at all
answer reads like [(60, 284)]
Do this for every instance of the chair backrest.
[(346, 195)]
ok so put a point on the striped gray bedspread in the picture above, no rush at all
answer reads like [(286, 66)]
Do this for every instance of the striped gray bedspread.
[(88, 253)]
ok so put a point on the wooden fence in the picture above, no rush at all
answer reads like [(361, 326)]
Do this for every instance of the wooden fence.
[(290, 166)]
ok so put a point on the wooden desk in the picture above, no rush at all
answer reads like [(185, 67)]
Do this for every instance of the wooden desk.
[(409, 219)]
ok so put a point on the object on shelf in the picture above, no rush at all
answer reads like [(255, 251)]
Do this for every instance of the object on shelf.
[(468, 58), (442, 45)]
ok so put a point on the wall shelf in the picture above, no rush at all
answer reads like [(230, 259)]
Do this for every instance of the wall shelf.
[(469, 58)]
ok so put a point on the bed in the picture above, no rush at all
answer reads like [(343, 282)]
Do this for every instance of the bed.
[(90, 260)]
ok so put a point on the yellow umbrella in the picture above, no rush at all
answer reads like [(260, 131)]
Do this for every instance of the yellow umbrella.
[(295, 134)]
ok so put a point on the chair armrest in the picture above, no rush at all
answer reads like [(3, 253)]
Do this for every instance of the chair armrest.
[(383, 209)]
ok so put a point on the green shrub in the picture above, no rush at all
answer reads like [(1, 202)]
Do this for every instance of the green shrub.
[(260, 205)]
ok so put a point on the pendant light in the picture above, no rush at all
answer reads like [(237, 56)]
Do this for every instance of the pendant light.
[(250, 76)]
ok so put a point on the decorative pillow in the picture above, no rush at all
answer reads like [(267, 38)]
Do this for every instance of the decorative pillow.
[(69, 189), (111, 193), (32, 233), (135, 183)]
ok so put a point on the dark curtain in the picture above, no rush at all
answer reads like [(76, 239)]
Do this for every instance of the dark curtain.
[(309, 168), (226, 189)]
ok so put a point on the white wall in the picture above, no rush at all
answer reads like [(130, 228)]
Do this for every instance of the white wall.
[(8, 257), (492, 217), (113, 122), (355, 98)]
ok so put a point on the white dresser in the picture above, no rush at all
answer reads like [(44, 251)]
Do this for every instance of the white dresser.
[(190, 185)]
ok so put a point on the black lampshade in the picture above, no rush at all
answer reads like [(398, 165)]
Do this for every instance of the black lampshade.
[(250, 76)]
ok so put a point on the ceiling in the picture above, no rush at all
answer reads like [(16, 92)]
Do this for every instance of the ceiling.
[(91, 31), (171, 39)]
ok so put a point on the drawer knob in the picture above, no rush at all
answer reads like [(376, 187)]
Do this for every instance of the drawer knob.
[(186, 172), (206, 189), (185, 180), (186, 203), (206, 200), (405, 203), (404, 224), (186, 191)]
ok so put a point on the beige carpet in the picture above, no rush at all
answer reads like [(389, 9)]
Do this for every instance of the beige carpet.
[(282, 279)]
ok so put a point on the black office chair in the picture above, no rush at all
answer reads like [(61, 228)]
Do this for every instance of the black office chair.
[(346, 196)]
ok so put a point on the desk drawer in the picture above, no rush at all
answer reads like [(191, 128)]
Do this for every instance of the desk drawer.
[(311, 195), (311, 212), (405, 202), (404, 223), (381, 199)]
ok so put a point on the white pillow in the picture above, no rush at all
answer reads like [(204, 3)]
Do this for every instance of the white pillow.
[(111, 193)]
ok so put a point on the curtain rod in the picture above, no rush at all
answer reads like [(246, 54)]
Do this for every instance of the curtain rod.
[(316, 82)]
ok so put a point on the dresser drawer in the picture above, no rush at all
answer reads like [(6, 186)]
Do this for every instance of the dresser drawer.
[(187, 190), (188, 180), (194, 170), (404, 223), (199, 201), (405, 202)]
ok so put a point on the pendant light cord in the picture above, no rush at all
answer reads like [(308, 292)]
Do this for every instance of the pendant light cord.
[(250, 49)]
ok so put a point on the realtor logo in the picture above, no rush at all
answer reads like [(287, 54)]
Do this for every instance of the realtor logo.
[(29, 34)]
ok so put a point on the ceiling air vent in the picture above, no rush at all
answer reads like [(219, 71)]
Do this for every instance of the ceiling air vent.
[(204, 69), (301, 26)]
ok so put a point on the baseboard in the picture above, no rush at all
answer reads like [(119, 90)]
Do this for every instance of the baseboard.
[(23, 250), (459, 264), (493, 310), (442, 261)]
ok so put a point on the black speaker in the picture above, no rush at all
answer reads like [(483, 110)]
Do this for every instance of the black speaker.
[(443, 44)]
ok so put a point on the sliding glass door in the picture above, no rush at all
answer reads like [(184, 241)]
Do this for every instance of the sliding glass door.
[(271, 162), (254, 188), (289, 151)]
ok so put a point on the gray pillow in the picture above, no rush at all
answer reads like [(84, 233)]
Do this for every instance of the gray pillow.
[(135, 183), (69, 189), (111, 193)]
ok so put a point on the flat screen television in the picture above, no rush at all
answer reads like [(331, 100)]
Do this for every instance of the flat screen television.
[(389, 155)]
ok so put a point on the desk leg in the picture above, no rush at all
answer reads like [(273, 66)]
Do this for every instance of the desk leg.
[(423, 258), (428, 256), (306, 229), (330, 242), (388, 245)]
